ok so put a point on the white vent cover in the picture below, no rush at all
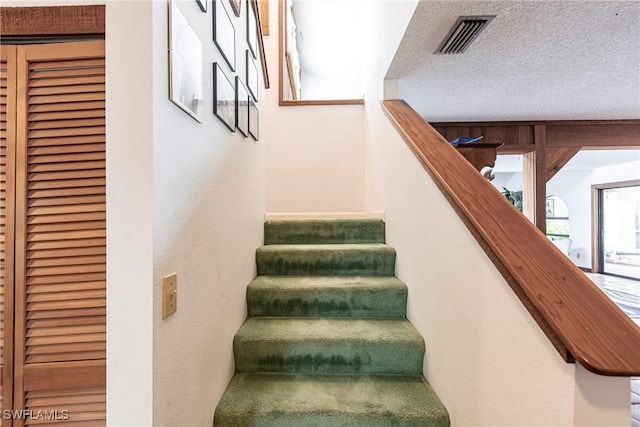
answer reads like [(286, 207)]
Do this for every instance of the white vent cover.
[(464, 31)]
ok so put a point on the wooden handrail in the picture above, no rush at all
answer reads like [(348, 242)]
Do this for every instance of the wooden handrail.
[(578, 318)]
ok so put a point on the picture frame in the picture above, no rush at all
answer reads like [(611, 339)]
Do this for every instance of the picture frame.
[(203, 5), (550, 207), (224, 33), (186, 80), (252, 76), (252, 28), (236, 5), (242, 107), (224, 98), (254, 125)]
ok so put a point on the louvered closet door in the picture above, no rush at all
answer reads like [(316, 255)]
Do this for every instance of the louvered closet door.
[(7, 188), (60, 342)]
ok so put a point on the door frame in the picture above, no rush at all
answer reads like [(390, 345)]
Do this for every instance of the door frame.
[(19, 25), (597, 261)]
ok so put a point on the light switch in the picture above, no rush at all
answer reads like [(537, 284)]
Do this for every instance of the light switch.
[(169, 295)]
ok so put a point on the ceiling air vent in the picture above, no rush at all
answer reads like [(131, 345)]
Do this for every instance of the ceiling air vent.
[(464, 31)]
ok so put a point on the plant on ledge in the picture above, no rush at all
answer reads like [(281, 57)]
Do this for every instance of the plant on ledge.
[(515, 197)]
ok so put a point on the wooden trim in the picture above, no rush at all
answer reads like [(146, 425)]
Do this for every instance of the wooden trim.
[(529, 186), (264, 16), (263, 58), (52, 21), (574, 314), (595, 260), (9, 53), (619, 184), (280, 50), (283, 62), (540, 183), (323, 102), (292, 86), (20, 227), (534, 177)]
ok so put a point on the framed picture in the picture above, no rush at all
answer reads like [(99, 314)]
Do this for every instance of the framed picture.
[(242, 107), (185, 65), (224, 98), (202, 4), (224, 34), (235, 5), (252, 76), (252, 28), (254, 125), (550, 207)]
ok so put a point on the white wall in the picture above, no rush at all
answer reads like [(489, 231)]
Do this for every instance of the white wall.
[(383, 26), (129, 213), (209, 195), (486, 358), (315, 154)]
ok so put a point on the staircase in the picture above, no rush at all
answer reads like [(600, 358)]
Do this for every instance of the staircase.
[(326, 342)]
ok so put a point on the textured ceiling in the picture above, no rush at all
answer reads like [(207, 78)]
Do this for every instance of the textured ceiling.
[(536, 60)]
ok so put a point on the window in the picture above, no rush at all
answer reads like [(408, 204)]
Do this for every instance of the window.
[(557, 218)]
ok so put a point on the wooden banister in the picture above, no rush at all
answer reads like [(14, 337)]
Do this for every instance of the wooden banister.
[(581, 322)]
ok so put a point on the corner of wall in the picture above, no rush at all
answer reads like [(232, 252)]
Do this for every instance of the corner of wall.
[(129, 213), (391, 89)]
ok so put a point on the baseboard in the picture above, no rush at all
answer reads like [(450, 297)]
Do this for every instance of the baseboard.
[(585, 269), (323, 215)]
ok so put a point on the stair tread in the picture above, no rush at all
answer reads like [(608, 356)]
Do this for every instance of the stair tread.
[(299, 329), (328, 345), (270, 399), (327, 296), (357, 259)]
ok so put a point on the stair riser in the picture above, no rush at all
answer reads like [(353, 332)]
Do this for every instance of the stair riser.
[(326, 263), (324, 231), (329, 358), (328, 302)]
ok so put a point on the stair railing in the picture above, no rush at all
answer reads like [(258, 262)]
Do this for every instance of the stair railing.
[(581, 322)]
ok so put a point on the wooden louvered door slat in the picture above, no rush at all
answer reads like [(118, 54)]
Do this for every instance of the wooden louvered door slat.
[(8, 84), (60, 292)]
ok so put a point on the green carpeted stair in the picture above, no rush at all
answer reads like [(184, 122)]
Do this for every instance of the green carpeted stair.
[(327, 342)]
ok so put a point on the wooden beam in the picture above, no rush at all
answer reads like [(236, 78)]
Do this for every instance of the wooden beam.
[(534, 181), (594, 135), (540, 142), (560, 133), (557, 158), (52, 21)]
